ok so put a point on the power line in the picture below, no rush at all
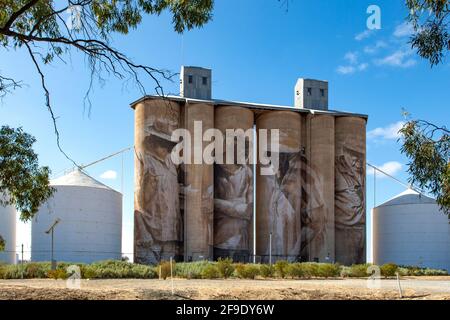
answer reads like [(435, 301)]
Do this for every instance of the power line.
[(408, 186)]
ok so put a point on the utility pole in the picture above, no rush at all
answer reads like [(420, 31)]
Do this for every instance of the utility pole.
[(270, 248), (52, 230), (21, 261)]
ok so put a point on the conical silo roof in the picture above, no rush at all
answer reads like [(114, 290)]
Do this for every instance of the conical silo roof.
[(408, 196), (78, 178)]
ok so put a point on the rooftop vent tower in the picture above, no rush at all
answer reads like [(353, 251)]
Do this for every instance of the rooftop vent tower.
[(195, 83), (311, 94)]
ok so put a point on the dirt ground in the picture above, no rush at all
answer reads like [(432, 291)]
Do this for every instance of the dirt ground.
[(355, 289)]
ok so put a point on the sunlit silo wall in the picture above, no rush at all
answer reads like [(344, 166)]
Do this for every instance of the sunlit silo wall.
[(318, 189), (199, 186), (278, 196), (8, 233), (90, 227), (233, 186), (350, 190), (411, 230), (158, 222)]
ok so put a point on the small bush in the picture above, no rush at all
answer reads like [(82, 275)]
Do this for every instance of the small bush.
[(57, 274), (281, 267), (435, 272), (266, 270), (310, 269), (356, 271), (247, 271), (328, 270), (389, 270), (293, 270), (164, 268), (210, 272), (225, 267), (191, 270), (417, 271), (36, 270)]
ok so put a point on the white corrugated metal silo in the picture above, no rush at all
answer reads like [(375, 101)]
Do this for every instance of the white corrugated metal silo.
[(411, 230), (90, 221), (8, 233)]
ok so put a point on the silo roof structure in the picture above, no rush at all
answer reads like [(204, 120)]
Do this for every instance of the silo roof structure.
[(79, 179), (408, 197)]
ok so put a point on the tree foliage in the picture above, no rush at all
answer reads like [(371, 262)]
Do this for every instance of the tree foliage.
[(2, 243), (51, 29), (428, 148), (431, 22), (22, 182)]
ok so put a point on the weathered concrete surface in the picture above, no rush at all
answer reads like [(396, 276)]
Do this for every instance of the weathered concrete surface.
[(318, 189), (199, 189), (278, 197), (350, 190), (233, 188), (158, 223)]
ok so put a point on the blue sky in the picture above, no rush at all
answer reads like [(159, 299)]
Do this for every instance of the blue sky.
[(257, 50)]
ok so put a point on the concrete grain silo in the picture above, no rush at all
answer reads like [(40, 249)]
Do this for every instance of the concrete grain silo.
[(278, 196), (310, 207), (8, 233), (318, 189), (233, 186), (411, 230), (90, 221), (199, 186), (158, 223), (350, 190)]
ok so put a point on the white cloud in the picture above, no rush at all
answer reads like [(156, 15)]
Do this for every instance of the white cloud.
[(404, 30), (374, 48), (110, 175), (352, 69), (346, 69), (391, 167), (400, 58), (351, 57), (363, 35), (363, 66), (389, 132)]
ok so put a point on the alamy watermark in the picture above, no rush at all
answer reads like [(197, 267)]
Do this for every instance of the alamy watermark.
[(374, 19), (238, 143)]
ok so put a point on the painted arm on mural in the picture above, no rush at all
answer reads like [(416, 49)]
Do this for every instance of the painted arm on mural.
[(236, 208), (232, 200)]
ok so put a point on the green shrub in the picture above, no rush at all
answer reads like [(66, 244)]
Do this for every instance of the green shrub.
[(225, 267), (281, 267), (389, 270), (310, 269), (164, 269), (293, 270), (35, 270), (247, 271), (418, 271), (266, 270), (112, 269), (57, 274), (328, 270), (210, 272), (191, 270), (435, 272), (357, 271)]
